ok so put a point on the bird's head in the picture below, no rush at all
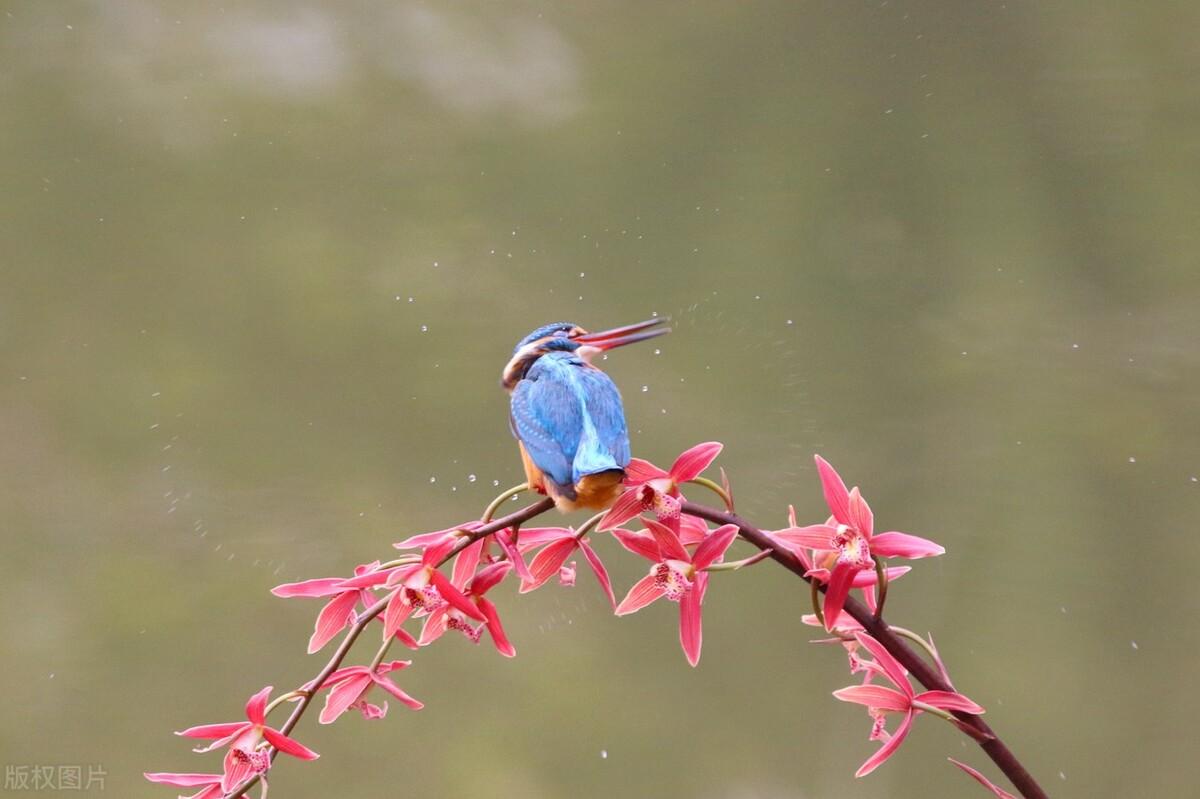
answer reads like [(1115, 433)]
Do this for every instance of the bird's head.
[(569, 337)]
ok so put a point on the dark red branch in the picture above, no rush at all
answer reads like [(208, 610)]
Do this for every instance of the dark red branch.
[(878, 629), (516, 517)]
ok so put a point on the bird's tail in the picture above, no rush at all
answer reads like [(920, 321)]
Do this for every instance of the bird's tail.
[(596, 491)]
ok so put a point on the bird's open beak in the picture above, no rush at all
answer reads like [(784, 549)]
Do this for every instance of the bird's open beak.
[(620, 336)]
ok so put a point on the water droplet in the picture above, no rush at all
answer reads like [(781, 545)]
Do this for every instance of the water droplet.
[(790, 321), (433, 479), (658, 352), (496, 482), (1133, 460), (470, 478), (1133, 644), (424, 328), (603, 752), (645, 389)]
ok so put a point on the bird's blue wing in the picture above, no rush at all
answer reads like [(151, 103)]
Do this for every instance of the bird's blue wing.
[(605, 441), (547, 416)]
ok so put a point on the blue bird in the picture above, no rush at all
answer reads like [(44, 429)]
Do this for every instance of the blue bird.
[(566, 414)]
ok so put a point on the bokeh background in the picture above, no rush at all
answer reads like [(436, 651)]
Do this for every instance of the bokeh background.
[(263, 261)]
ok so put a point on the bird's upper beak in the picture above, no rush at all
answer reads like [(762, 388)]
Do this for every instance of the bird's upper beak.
[(604, 340)]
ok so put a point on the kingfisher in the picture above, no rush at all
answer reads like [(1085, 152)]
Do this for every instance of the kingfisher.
[(566, 413)]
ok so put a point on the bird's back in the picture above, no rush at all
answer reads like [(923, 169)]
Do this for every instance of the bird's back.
[(569, 417)]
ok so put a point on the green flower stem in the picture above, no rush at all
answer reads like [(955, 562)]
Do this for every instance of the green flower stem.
[(590, 524), (918, 640), (500, 499), (279, 700), (716, 489), (383, 648), (882, 578)]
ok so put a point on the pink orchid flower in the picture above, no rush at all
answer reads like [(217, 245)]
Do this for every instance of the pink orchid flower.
[(245, 757), (847, 541), (881, 700), (209, 784), (420, 587), (450, 617), (650, 489), (557, 544), (338, 613), (676, 575), (349, 688), (982, 780), (473, 554)]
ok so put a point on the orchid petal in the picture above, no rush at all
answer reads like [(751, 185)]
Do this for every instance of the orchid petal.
[(395, 690), (982, 780), (836, 591), (289, 746), (860, 513), (546, 563), (533, 537), (437, 552), (256, 706), (888, 749), (713, 548), (343, 695), (903, 545), (895, 672), (237, 771), (867, 577), (813, 536), (949, 700), (403, 637), (496, 630), (836, 495), (644, 591), (690, 633), (692, 529), (434, 626), (338, 676), (489, 577), (423, 540), (182, 780), (878, 696), (214, 730), (395, 614), (322, 586), (504, 539), (601, 573), (628, 506), (336, 614), (640, 471), (370, 579), (466, 562), (669, 545), (454, 596), (692, 462), (638, 543)]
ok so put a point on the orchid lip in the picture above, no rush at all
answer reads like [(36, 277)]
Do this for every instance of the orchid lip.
[(629, 334)]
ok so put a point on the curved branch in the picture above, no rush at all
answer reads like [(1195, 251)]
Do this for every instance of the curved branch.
[(524, 514), (878, 629), (974, 726)]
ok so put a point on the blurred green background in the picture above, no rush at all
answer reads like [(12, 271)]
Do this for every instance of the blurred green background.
[(263, 262)]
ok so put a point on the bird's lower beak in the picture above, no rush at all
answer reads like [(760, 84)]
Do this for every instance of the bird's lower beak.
[(620, 336)]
